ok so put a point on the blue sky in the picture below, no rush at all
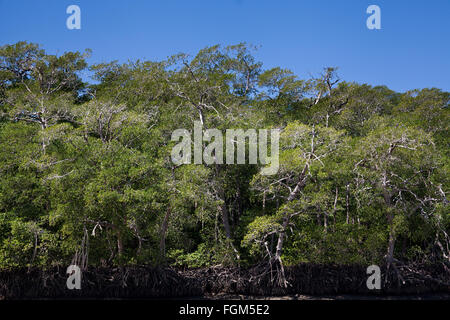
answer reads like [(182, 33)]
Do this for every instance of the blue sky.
[(412, 50)]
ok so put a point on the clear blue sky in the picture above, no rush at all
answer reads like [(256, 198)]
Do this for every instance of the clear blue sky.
[(412, 50)]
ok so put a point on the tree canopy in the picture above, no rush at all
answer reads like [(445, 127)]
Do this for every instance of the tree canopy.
[(87, 177)]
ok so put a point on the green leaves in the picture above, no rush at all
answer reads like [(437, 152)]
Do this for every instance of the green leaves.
[(360, 166)]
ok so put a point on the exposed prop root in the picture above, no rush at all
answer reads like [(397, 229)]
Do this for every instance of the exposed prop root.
[(260, 280)]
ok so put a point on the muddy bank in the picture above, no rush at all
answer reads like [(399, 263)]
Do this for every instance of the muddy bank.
[(148, 282)]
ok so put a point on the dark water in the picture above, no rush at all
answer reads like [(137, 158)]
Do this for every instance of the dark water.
[(437, 296)]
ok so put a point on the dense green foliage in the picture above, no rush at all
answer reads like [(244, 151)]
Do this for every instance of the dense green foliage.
[(87, 177)]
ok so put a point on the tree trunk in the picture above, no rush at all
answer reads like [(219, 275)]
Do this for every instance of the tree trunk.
[(300, 184), (165, 225), (347, 202), (282, 235), (119, 244), (226, 220), (391, 242), (390, 220), (279, 250)]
